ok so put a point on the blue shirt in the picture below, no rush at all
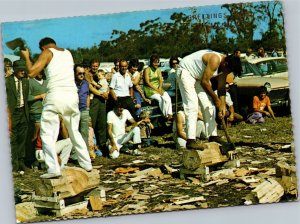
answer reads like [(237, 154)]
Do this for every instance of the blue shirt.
[(83, 93)]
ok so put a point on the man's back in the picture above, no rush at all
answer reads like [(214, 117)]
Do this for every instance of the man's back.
[(59, 71)]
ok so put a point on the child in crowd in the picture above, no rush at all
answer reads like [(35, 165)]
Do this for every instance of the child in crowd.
[(146, 126), (260, 103), (93, 147), (102, 82)]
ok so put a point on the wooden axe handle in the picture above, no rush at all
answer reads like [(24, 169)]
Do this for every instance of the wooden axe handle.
[(225, 130)]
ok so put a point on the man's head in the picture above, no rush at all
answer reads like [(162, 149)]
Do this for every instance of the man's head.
[(117, 64), (262, 92), (231, 64), (19, 67), (79, 72), (123, 66), (45, 42), (118, 108), (133, 65), (173, 62), (94, 65), (249, 51)]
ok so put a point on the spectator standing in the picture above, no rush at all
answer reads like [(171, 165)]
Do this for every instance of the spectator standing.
[(62, 98), (84, 101), (121, 88), (172, 76), (17, 90), (250, 55)]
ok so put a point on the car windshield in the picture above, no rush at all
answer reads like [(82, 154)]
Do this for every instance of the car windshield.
[(249, 69), (272, 66)]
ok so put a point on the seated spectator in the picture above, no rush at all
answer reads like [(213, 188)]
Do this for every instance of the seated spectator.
[(172, 76), (146, 127), (260, 103), (230, 116), (116, 129), (153, 88), (92, 142), (63, 147), (179, 129)]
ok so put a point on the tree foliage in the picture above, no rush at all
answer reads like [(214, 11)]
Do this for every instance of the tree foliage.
[(187, 33)]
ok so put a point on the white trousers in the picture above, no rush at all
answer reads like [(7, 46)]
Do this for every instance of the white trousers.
[(134, 134), (63, 149), (65, 104), (200, 131), (164, 103), (193, 95)]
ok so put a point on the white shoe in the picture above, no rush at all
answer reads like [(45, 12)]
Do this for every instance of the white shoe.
[(87, 169), (136, 152), (50, 175)]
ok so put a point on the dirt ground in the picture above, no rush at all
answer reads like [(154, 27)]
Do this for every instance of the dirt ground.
[(258, 149)]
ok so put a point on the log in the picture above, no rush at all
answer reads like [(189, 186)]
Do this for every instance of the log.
[(74, 180), (193, 159)]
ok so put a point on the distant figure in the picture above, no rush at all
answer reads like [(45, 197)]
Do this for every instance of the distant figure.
[(116, 67), (8, 67), (172, 76), (146, 127), (249, 54), (261, 53), (260, 103)]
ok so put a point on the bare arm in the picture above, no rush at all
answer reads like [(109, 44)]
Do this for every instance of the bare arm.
[(271, 112), (111, 137), (43, 60)]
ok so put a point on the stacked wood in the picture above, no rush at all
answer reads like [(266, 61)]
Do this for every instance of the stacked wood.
[(269, 191), (211, 155), (74, 180)]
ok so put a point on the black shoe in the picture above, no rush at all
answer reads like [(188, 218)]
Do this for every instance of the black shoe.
[(193, 145), (216, 139)]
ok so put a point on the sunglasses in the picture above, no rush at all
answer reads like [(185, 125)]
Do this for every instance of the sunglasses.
[(80, 73)]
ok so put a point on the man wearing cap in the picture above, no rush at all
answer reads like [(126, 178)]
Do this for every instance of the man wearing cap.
[(17, 94), (194, 76), (61, 99)]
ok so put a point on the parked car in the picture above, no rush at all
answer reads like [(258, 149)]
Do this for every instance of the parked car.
[(275, 79)]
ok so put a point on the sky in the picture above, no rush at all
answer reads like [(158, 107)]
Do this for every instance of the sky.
[(86, 31)]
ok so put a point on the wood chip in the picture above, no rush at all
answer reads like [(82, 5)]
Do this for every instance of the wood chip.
[(194, 199)]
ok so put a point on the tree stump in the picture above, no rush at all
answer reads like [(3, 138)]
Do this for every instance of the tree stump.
[(193, 159)]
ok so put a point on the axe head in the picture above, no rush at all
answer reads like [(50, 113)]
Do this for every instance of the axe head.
[(13, 44)]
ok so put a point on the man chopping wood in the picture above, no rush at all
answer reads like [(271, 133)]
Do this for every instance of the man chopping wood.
[(61, 99), (194, 76)]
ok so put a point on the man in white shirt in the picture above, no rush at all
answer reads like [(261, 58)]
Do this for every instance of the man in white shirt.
[(116, 129)]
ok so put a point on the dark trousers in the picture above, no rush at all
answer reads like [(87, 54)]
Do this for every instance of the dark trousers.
[(234, 97), (18, 140), (99, 117)]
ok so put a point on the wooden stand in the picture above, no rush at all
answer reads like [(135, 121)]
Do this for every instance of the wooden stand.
[(52, 194)]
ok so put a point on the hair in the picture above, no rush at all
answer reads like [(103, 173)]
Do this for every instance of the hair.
[(7, 61), (261, 90), (134, 62), (153, 58), (172, 59), (119, 104), (144, 114), (94, 60), (45, 41), (116, 61), (76, 66), (141, 66), (234, 64)]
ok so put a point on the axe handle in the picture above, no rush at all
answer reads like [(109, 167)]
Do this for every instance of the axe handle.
[(225, 130)]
